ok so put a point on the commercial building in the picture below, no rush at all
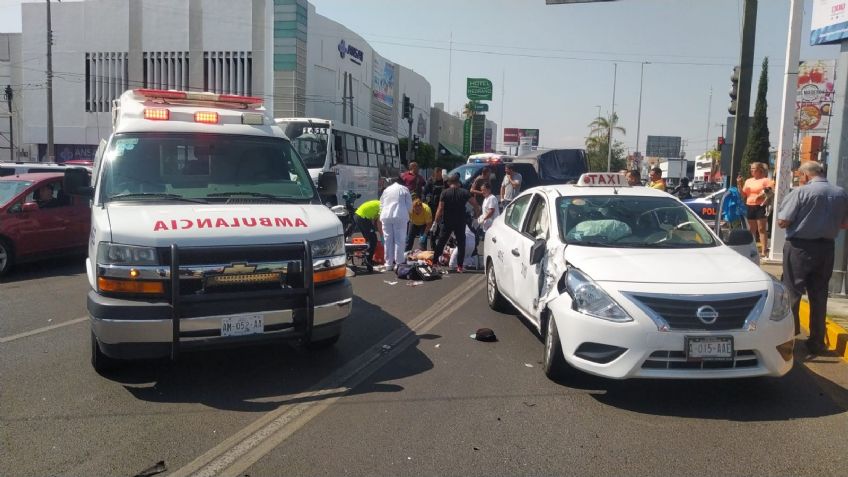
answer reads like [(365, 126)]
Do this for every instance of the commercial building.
[(299, 62), (10, 108)]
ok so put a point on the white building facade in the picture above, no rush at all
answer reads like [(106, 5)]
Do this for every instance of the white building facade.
[(11, 120), (299, 62), (103, 47)]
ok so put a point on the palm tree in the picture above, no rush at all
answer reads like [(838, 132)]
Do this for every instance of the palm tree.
[(601, 126), (468, 111)]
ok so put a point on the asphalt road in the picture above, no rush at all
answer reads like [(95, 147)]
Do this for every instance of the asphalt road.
[(405, 392)]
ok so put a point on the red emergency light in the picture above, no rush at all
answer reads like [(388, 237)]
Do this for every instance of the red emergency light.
[(196, 96)]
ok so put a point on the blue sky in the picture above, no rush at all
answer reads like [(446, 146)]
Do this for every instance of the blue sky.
[(554, 63)]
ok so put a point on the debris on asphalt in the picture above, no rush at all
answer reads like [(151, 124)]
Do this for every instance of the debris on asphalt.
[(529, 404), (437, 345), (387, 282), (414, 284), (157, 468), (484, 334), (528, 365), (386, 348)]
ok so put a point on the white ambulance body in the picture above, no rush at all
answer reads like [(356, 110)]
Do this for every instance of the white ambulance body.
[(208, 189)]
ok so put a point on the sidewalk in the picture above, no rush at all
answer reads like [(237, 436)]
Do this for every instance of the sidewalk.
[(837, 315)]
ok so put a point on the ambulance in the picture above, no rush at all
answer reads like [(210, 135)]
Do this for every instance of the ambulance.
[(206, 231)]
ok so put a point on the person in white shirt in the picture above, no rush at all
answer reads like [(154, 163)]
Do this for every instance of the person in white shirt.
[(511, 185), (395, 205), (470, 241), (491, 208)]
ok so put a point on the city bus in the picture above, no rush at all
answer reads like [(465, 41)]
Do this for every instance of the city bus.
[(343, 158)]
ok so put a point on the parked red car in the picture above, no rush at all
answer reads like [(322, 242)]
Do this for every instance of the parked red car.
[(39, 220)]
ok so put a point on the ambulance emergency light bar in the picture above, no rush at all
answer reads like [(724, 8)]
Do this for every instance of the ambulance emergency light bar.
[(206, 117)]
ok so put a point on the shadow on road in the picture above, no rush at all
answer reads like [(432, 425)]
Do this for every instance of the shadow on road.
[(64, 266), (800, 394), (260, 379)]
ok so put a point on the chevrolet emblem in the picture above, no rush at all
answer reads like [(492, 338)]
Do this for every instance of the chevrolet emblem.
[(238, 269)]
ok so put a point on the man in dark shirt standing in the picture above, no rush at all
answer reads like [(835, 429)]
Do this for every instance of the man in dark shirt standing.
[(451, 213), (432, 194), (413, 180), (812, 216)]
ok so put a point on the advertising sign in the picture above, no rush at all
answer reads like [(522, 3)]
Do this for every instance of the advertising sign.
[(480, 107), (663, 146), (384, 81), (814, 99), (511, 136), (487, 141), (479, 89), (466, 137), (830, 22)]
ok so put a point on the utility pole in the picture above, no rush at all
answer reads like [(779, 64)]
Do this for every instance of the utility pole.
[(709, 113), (746, 70), (611, 119), (8, 94), (50, 154), (639, 117)]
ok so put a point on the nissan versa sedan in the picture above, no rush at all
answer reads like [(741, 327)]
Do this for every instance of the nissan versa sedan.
[(605, 273)]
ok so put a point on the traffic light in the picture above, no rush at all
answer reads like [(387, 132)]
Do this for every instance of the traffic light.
[(734, 90), (720, 142), (416, 141), (407, 107)]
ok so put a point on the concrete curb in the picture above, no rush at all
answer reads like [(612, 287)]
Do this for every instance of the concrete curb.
[(836, 338)]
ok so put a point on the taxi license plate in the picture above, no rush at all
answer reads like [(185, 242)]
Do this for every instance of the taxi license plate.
[(240, 325), (718, 348)]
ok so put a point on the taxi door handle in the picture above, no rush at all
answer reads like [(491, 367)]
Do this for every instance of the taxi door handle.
[(515, 252)]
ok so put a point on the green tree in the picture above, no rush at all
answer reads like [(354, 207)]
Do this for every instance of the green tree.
[(596, 145), (600, 126), (715, 156), (757, 147)]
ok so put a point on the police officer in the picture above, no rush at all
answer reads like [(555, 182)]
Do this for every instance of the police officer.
[(812, 216)]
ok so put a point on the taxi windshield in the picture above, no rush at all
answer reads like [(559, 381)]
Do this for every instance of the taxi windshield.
[(628, 221), (203, 168), (10, 189)]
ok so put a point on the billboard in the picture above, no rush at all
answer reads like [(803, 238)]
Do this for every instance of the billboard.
[(384, 81), (511, 136), (814, 96), (830, 22), (478, 89), (663, 146)]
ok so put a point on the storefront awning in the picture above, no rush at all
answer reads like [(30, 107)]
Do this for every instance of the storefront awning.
[(450, 149)]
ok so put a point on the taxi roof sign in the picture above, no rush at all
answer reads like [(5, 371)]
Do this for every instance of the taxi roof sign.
[(602, 179)]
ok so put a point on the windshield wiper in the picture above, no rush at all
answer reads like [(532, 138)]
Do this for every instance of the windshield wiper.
[(276, 198), (590, 243), (156, 195)]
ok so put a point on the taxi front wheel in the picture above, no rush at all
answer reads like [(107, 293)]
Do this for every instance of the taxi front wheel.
[(496, 300), (554, 363)]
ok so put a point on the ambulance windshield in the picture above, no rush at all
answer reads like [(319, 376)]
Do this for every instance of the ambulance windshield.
[(210, 168)]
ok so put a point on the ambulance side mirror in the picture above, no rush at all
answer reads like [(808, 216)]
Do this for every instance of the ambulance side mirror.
[(78, 182)]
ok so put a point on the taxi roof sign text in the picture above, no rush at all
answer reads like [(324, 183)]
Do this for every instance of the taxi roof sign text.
[(602, 179)]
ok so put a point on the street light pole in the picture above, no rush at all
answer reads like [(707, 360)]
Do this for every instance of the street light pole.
[(611, 119), (50, 154), (639, 118)]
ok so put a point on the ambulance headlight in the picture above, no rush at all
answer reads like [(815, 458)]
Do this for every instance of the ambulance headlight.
[(328, 247), (117, 254)]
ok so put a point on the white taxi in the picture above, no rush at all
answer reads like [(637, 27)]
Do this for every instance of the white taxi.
[(627, 282)]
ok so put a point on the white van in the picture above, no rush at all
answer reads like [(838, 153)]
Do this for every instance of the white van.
[(207, 189)]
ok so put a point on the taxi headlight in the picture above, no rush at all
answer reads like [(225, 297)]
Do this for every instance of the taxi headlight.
[(328, 247), (591, 299), (117, 254), (780, 304)]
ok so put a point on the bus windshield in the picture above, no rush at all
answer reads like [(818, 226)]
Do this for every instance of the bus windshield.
[(309, 140), (206, 168)]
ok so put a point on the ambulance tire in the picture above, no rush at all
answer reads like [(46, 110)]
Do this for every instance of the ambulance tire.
[(324, 343), (99, 361)]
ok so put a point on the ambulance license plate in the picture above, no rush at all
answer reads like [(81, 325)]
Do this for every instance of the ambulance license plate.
[(241, 325), (718, 348)]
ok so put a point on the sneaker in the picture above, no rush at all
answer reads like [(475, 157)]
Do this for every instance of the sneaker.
[(459, 269)]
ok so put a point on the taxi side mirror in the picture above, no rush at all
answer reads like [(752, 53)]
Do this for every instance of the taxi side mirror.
[(739, 237), (29, 207), (537, 251)]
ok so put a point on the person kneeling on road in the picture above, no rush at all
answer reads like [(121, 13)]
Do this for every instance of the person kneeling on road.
[(452, 210), (367, 218), (420, 221)]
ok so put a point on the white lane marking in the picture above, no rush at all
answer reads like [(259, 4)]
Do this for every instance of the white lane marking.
[(244, 448), (42, 330)]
